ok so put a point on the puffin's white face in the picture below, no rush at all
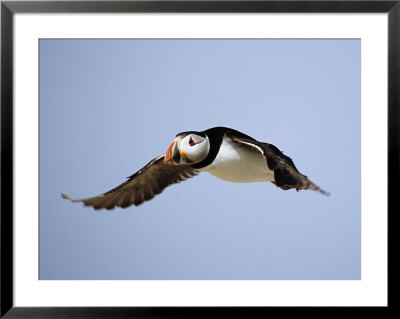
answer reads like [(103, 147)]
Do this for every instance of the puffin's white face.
[(187, 149)]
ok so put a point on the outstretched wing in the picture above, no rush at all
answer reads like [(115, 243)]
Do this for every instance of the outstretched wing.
[(142, 186), (285, 172)]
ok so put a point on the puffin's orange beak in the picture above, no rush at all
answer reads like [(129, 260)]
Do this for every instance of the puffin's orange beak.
[(171, 152)]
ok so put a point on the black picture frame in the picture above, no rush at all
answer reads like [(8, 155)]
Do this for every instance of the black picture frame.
[(9, 8)]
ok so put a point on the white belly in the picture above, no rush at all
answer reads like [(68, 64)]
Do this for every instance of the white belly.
[(239, 164)]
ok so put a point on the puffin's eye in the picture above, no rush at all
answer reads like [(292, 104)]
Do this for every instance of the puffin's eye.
[(191, 142)]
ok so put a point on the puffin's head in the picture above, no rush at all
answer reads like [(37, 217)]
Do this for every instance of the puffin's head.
[(187, 148)]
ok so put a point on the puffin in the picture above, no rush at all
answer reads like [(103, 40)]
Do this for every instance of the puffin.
[(221, 151)]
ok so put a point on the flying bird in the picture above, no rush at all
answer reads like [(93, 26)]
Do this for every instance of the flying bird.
[(223, 152)]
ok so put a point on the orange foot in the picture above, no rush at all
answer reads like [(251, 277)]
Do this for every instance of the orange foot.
[(300, 187)]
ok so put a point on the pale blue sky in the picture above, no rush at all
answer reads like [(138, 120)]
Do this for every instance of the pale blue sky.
[(107, 107)]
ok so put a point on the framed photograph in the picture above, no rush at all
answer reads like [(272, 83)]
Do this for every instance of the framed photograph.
[(183, 158)]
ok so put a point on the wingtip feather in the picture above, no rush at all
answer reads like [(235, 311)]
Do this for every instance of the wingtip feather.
[(318, 189), (65, 196)]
